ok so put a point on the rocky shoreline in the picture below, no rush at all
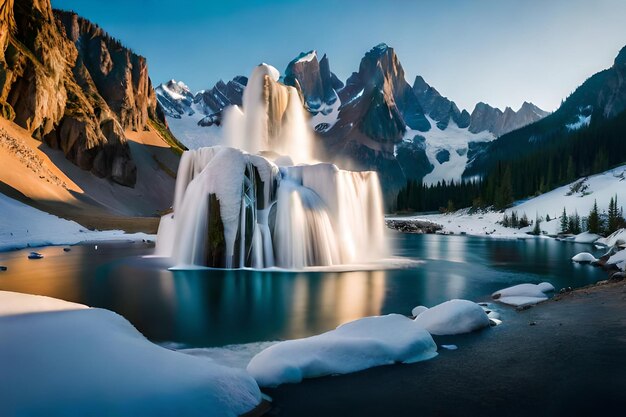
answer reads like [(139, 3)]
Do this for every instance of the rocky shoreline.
[(413, 226)]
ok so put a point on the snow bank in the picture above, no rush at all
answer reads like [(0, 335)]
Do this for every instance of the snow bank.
[(586, 237), (618, 237), (92, 362), (584, 257), (453, 317), (354, 346), (618, 259), (22, 226), (12, 303), (523, 294), (418, 310)]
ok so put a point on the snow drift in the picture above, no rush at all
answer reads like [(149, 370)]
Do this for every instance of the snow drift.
[(78, 361), (354, 346)]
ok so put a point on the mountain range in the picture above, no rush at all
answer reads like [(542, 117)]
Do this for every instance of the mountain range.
[(84, 134), (376, 120)]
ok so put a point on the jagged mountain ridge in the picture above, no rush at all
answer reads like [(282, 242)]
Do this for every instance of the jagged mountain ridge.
[(601, 98), (378, 121)]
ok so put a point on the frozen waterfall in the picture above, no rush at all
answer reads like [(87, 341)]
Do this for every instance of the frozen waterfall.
[(248, 205)]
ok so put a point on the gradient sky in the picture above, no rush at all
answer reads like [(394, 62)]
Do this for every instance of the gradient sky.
[(498, 51)]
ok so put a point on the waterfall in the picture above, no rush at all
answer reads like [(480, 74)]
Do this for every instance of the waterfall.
[(236, 208)]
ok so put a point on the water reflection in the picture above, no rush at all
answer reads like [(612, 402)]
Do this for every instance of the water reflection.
[(216, 307)]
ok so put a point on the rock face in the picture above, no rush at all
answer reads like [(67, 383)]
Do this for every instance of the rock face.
[(437, 107), (377, 106), (71, 85), (484, 117), (315, 80)]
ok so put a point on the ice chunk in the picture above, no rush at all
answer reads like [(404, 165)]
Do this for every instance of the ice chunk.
[(357, 345), (453, 317), (523, 294)]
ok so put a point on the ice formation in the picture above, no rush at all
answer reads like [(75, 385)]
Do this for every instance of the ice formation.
[(248, 205)]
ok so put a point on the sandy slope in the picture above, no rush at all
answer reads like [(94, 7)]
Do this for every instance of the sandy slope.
[(42, 177)]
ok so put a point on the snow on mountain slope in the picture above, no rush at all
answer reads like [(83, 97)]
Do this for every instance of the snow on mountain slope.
[(599, 188), (190, 133), (452, 144)]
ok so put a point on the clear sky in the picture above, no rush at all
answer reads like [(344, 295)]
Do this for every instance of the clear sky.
[(498, 51)]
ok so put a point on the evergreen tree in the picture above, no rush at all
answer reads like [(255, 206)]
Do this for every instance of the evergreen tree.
[(593, 221), (523, 221), (537, 229), (564, 222), (613, 221)]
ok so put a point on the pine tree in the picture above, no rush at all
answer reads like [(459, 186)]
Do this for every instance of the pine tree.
[(613, 221), (537, 229), (564, 222), (593, 221)]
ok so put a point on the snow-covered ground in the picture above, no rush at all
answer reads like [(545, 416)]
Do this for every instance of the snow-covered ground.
[(454, 140), (599, 188), (64, 359), (22, 226)]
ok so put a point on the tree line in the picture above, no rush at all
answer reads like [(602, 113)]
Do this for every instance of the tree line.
[(551, 162)]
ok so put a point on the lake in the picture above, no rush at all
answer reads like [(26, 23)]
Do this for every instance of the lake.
[(203, 308)]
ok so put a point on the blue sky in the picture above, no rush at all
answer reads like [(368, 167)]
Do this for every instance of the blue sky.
[(498, 51)]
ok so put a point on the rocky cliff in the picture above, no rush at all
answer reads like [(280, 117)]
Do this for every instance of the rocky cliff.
[(439, 108), (72, 86), (377, 105), (315, 80), (487, 118)]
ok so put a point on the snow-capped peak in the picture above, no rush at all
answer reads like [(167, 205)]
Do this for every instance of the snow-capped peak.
[(307, 57)]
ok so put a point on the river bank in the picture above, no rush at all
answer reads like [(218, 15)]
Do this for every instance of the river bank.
[(562, 357)]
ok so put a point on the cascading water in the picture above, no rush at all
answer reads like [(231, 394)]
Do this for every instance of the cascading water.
[(233, 208)]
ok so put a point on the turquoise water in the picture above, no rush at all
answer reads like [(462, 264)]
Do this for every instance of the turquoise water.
[(213, 308)]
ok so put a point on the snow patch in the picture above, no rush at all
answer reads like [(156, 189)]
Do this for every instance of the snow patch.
[(583, 121), (523, 294), (354, 346), (453, 317), (584, 257)]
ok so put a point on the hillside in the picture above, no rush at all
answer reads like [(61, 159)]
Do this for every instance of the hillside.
[(80, 128)]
